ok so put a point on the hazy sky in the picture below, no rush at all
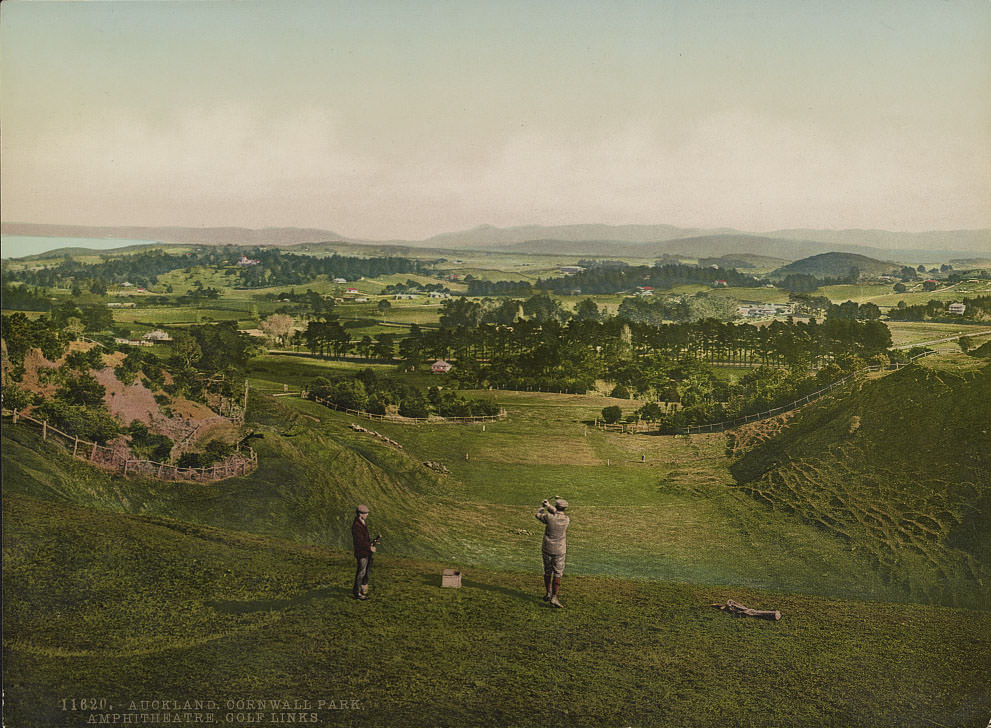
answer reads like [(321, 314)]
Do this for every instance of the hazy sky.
[(406, 119)]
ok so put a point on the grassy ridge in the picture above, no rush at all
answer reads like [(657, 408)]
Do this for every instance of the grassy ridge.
[(901, 472), (136, 607)]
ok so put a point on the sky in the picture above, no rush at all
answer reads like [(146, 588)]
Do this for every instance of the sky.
[(401, 120)]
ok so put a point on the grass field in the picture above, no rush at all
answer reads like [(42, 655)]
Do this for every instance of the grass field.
[(917, 332), (244, 617)]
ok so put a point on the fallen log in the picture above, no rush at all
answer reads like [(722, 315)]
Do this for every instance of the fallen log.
[(735, 608)]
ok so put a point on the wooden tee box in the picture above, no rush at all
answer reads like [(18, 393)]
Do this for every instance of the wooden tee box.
[(451, 578)]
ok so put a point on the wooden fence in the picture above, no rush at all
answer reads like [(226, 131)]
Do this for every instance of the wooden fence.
[(728, 424), (117, 460)]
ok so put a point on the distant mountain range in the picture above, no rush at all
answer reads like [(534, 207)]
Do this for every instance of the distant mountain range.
[(630, 241)]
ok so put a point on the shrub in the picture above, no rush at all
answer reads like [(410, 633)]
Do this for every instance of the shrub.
[(73, 419), (620, 391), (611, 414), (15, 398)]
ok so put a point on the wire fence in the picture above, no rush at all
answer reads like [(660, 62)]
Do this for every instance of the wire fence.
[(118, 459), (801, 402)]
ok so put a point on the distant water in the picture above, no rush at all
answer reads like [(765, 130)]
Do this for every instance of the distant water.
[(17, 246)]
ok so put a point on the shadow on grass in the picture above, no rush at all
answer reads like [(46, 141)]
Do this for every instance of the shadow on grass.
[(269, 605)]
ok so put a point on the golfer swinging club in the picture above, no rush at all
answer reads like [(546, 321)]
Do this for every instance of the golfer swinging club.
[(554, 546)]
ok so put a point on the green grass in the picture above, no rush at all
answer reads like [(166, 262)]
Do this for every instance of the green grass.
[(167, 315), (904, 333), (899, 473), (854, 292), (132, 608)]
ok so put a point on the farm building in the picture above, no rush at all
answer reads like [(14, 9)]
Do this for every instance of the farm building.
[(957, 308), (440, 367), (339, 280), (157, 335), (245, 260)]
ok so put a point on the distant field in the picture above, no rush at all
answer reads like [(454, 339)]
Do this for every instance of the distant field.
[(915, 295), (273, 370), (916, 332), (853, 292), (177, 315)]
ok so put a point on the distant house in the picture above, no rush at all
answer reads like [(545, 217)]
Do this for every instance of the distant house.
[(439, 294), (157, 335), (132, 342), (440, 367), (127, 284), (719, 284), (957, 308), (571, 269), (340, 280), (454, 277), (403, 296), (930, 285), (361, 299), (245, 260), (351, 290)]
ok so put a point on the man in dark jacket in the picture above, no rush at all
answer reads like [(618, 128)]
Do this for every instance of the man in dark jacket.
[(363, 550)]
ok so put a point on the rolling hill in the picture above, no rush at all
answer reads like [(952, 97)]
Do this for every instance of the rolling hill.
[(836, 265), (900, 472)]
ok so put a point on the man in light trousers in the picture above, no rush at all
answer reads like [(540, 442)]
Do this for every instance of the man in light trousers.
[(554, 546)]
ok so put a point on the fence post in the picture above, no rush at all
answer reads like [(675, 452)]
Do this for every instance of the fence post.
[(44, 430), (75, 446), (126, 463), (15, 417)]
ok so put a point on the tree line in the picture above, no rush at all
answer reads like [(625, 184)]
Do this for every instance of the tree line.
[(613, 279), (273, 268), (976, 309), (368, 392)]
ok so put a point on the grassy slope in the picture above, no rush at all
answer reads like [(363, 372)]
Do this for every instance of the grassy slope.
[(672, 517), (136, 607), (668, 519), (901, 473)]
